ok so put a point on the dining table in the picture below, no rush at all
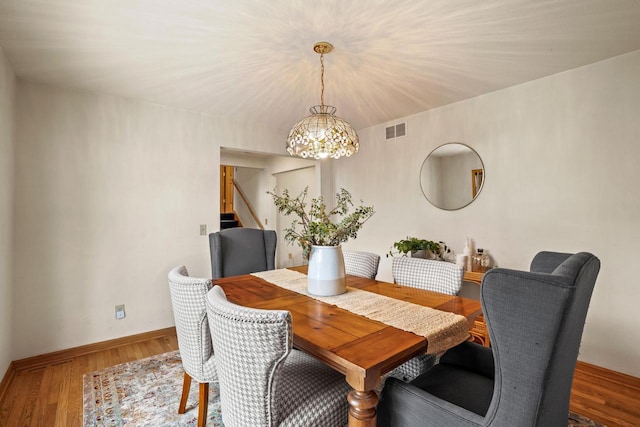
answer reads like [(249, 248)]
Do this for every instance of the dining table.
[(361, 348)]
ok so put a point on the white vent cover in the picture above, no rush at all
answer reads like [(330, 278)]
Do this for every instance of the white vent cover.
[(396, 131)]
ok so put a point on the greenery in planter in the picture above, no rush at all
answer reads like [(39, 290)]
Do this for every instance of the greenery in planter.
[(314, 225), (438, 250)]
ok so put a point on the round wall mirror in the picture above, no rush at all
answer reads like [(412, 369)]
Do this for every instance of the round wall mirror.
[(452, 176)]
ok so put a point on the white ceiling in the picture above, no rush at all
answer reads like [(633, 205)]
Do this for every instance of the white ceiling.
[(253, 60)]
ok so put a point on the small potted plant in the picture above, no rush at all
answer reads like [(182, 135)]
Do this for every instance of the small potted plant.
[(320, 233), (420, 248)]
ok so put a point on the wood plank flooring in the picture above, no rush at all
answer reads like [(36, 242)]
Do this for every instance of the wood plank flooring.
[(606, 396), (47, 390)]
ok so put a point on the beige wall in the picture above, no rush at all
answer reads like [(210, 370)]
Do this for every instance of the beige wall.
[(110, 193), (295, 181), (561, 157), (7, 99)]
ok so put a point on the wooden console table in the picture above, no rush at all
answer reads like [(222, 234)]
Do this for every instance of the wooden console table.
[(479, 331), (473, 276)]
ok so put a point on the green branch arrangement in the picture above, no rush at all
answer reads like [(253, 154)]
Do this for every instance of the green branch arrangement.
[(314, 225)]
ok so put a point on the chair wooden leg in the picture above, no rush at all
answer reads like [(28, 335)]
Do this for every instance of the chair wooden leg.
[(203, 404), (186, 386)]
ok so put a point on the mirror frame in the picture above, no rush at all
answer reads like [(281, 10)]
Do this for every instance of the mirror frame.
[(478, 190)]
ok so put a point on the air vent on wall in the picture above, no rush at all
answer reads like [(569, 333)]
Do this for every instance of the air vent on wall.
[(396, 131), (391, 132)]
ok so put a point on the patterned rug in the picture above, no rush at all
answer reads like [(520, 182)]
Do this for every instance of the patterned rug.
[(144, 393), (147, 392)]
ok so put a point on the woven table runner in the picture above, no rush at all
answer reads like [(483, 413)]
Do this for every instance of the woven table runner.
[(442, 329)]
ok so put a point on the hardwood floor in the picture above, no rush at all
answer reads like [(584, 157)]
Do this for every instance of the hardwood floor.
[(606, 396), (47, 390)]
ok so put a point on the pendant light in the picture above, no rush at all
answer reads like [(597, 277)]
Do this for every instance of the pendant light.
[(322, 134)]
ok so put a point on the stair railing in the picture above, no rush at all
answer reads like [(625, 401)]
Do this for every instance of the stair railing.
[(246, 202)]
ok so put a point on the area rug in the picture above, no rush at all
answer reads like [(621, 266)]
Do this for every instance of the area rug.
[(147, 392), (144, 393)]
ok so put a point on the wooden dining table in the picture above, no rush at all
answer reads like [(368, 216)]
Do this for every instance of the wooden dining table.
[(361, 348)]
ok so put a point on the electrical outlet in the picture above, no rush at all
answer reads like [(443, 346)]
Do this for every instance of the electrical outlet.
[(203, 229), (266, 221), (290, 256), (120, 312)]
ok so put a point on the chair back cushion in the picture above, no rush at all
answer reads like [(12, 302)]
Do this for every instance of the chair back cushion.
[(437, 276), (361, 264), (237, 251), (251, 346), (547, 262), (188, 296)]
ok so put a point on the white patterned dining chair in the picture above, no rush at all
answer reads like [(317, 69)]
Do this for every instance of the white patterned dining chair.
[(188, 298), (431, 275), (262, 380), (361, 264)]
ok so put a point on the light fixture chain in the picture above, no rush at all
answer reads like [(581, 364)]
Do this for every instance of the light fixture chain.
[(322, 79)]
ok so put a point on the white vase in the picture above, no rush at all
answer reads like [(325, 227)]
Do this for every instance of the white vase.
[(326, 272)]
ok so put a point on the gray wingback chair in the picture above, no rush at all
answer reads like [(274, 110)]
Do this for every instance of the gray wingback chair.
[(237, 251), (188, 298), (263, 381), (535, 321)]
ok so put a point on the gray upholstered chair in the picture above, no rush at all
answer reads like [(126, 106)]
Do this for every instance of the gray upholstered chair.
[(263, 381), (361, 264), (188, 297), (431, 275), (535, 321), (237, 251)]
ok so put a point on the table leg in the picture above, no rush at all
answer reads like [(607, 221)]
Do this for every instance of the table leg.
[(362, 408)]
